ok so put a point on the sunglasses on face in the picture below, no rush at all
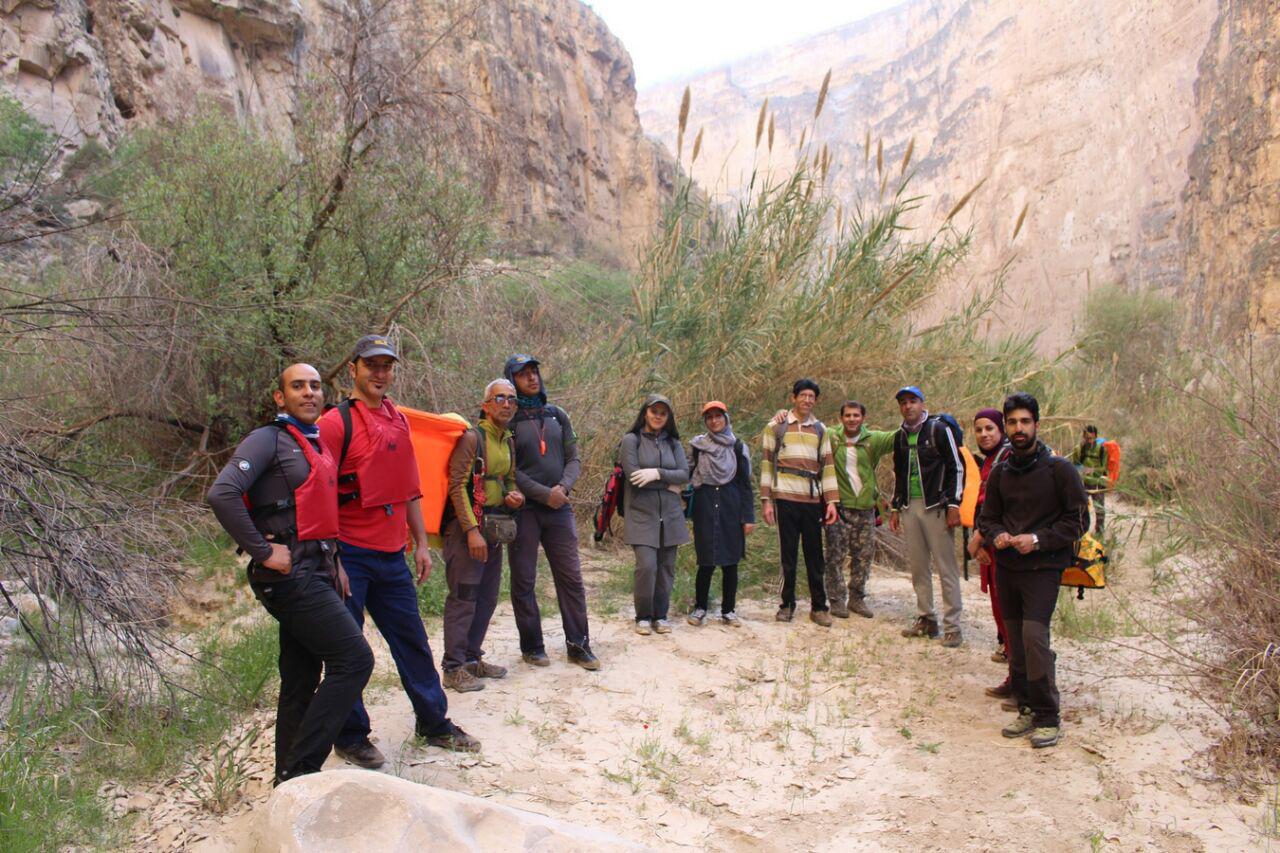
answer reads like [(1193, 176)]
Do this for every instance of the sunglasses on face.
[(502, 399)]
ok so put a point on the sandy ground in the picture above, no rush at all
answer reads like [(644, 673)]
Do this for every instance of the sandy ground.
[(794, 736)]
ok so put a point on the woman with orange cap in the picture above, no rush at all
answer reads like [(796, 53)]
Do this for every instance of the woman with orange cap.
[(723, 510)]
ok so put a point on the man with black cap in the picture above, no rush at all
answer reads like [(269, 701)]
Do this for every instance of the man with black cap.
[(928, 485), (378, 507), (547, 468), (278, 498)]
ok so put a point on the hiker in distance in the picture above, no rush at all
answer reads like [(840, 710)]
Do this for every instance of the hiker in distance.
[(1092, 458), (855, 452), (547, 468), (798, 492), (654, 463), (928, 485), (988, 429), (1035, 510), (478, 520), (378, 508), (278, 499), (723, 511)]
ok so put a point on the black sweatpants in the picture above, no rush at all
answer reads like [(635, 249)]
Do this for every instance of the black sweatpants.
[(316, 631), (1027, 601), (801, 523)]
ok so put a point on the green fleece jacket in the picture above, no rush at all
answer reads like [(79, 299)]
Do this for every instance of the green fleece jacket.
[(857, 477)]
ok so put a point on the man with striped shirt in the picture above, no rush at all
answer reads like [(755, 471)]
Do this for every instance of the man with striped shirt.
[(799, 493)]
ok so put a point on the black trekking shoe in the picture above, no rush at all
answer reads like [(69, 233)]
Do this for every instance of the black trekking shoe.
[(363, 754), (583, 657)]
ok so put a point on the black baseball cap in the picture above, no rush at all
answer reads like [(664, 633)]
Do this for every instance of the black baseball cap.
[(371, 345)]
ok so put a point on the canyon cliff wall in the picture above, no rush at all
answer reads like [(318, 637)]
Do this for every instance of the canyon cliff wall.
[(1095, 115), (543, 94)]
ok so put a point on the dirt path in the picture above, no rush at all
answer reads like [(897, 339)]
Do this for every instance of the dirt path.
[(795, 736)]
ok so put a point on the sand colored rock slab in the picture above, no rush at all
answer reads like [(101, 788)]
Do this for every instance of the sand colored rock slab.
[(354, 810)]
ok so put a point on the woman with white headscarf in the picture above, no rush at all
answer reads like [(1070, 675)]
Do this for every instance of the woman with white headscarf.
[(723, 510)]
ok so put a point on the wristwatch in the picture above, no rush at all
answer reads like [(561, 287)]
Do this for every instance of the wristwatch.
[(1035, 542)]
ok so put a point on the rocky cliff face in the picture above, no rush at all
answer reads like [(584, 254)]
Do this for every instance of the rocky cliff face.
[(1084, 112), (543, 94)]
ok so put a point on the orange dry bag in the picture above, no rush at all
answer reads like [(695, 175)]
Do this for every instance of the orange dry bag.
[(972, 481), (433, 438)]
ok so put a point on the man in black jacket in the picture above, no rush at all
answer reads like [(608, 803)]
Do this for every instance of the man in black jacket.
[(928, 482), (278, 498), (1035, 510)]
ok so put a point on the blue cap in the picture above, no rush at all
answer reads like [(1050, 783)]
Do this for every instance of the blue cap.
[(909, 389)]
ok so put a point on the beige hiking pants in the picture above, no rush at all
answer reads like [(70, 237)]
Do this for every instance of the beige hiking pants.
[(929, 540)]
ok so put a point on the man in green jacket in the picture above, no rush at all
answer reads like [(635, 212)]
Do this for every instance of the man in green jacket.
[(1090, 459), (855, 450)]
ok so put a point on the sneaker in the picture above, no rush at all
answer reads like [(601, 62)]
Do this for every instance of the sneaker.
[(1020, 727), (697, 617), (839, 610), (661, 626), (922, 627), (784, 614), (583, 657), (536, 658), (454, 740), (820, 617), (953, 640), (1003, 691), (1045, 736), (998, 656), (859, 606), (483, 669), (461, 680), (731, 619), (363, 754), (644, 627)]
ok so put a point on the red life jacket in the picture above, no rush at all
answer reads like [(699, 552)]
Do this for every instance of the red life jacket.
[(388, 473), (315, 502)]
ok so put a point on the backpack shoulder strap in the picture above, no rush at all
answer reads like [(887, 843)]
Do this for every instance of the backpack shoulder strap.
[(344, 412)]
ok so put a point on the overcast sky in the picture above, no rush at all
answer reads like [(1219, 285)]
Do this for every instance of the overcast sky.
[(670, 38)]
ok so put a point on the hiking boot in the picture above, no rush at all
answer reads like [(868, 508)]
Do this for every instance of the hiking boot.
[(784, 614), (922, 627), (697, 617), (859, 606), (661, 626), (998, 656), (461, 680), (535, 658), (481, 669), (820, 617), (1022, 726), (582, 656), (839, 610), (454, 740), (1045, 736), (731, 619), (1010, 704), (644, 627), (953, 640), (1003, 691), (363, 754)]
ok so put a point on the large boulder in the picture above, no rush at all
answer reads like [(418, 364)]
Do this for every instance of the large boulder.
[(353, 810)]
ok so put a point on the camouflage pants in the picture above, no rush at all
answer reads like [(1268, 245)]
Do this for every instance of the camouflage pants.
[(851, 539)]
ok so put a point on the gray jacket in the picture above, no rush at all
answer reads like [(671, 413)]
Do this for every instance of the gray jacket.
[(654, 513)]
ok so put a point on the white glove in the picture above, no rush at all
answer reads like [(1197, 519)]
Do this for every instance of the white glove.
[(644, 476)]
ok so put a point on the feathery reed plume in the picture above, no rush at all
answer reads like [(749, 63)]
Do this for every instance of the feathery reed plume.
[(803, 131), (964, 199), (882, 294), (697, 146), (684, 121), (880, 156), (866, 148), (822, 95), (906, 158), (1018, 225), (839, 217), (772, 117), (764, 108), (826, 161)]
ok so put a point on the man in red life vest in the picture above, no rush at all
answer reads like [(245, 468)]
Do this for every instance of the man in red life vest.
[(378, 508), (278, 498)]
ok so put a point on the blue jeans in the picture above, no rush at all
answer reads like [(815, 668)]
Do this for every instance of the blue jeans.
[(383, 583)]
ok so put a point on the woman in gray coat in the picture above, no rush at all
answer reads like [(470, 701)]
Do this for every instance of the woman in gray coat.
[(656, 469)]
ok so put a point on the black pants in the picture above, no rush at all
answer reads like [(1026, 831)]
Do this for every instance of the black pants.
[(801, 523), (702, 589), (316, 631), (1027, 601), (557, 532)]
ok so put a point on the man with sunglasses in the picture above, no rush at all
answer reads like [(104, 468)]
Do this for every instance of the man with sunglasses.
[(378, 509), (481, 476)]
